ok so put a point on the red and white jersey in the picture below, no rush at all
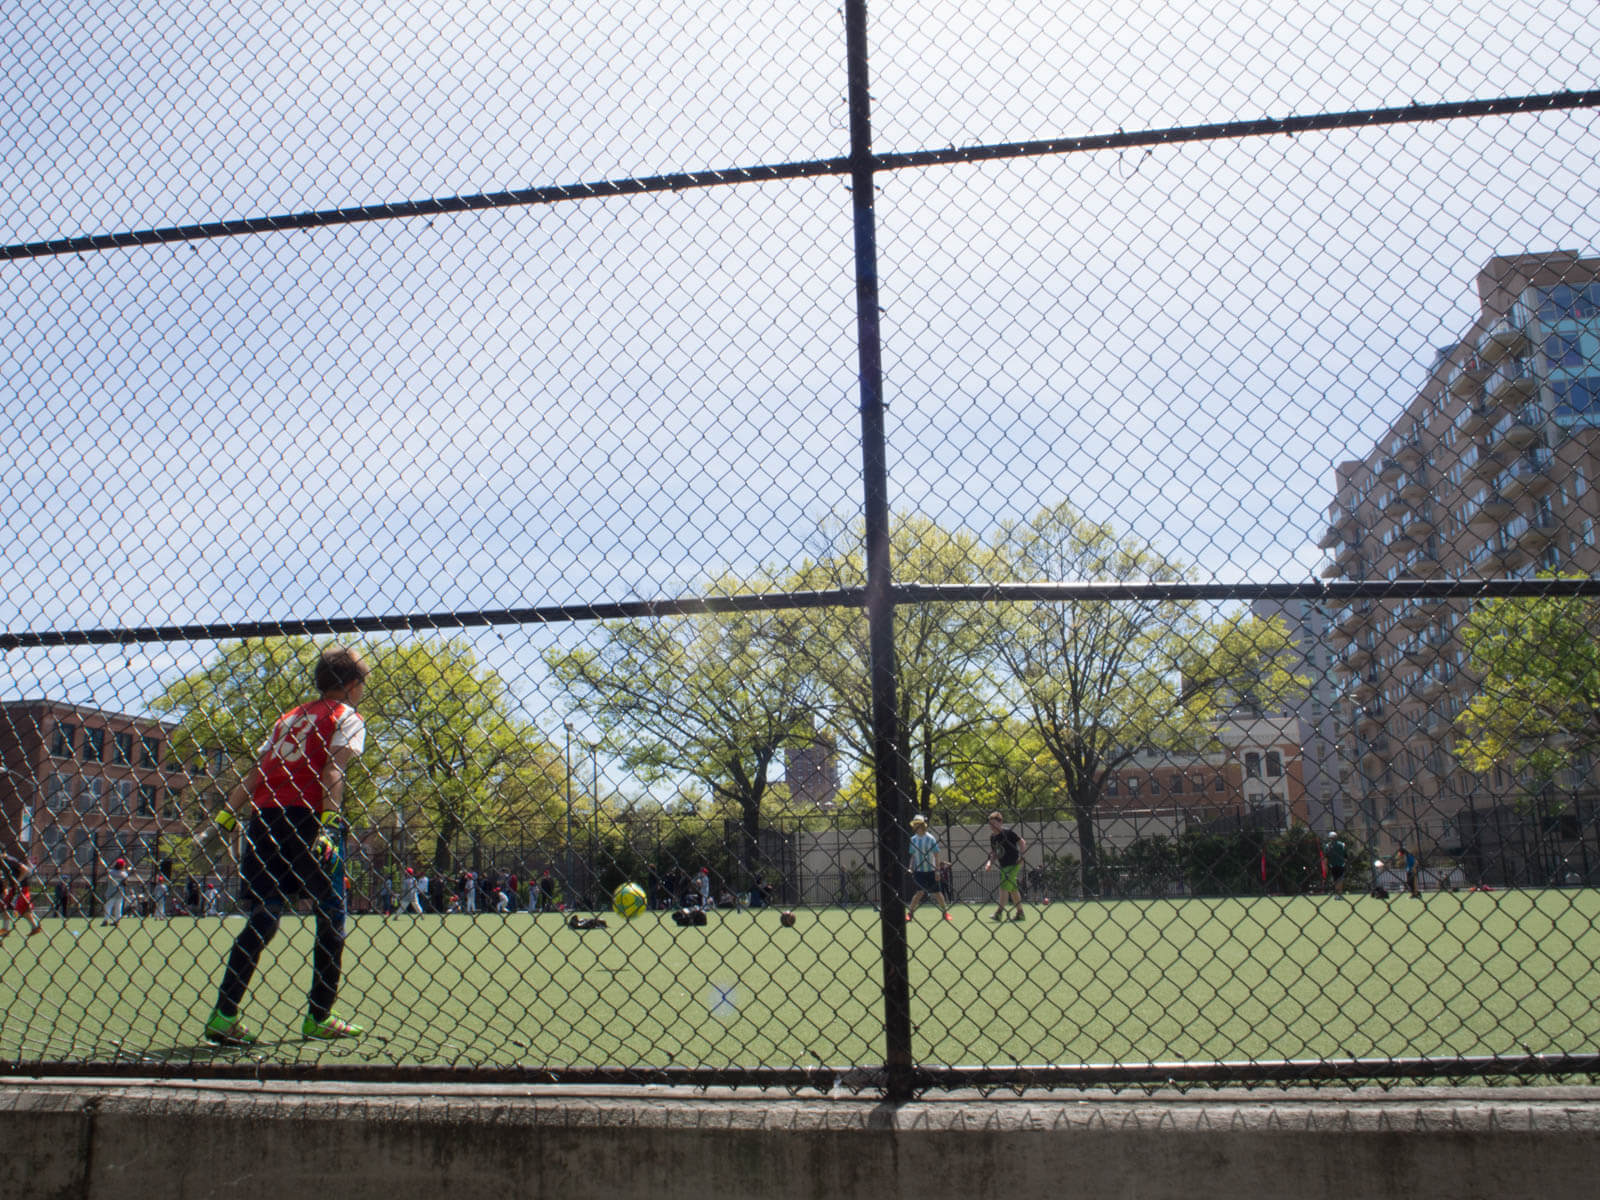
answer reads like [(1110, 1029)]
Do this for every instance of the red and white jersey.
[(292, 759)]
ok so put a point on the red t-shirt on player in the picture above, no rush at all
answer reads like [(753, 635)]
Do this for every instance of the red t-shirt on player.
[(292, 759)]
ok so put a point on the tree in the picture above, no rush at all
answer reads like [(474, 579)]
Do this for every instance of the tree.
[(1097, 681), (446, 754), (939, 650), (1536, 706), (715, 696), (1239, 662)]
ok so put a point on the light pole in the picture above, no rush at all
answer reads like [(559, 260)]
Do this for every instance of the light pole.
[(568, 889), (594, 801)]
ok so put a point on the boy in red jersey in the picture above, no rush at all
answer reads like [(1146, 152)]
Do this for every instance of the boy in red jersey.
[(14, 894), (296, 785)]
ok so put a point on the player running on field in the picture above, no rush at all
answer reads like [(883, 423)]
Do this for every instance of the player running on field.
[(296, 787), (1006, 847), (925, 864), (14, 894)]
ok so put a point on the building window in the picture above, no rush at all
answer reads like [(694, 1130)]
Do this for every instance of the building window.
[(1566, 302), (61, 744), (123, 748), (94, 745), (149, 750), (147, 799), (1111, 785), (91, 794), (58, 793), (119, 797), (1177, 785), (1155, 784), (1563, 350), (1217, 784), (1274, 764), (1252, 765), (1133, 786)]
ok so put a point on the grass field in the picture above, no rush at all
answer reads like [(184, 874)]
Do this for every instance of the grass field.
[(1123, 981)]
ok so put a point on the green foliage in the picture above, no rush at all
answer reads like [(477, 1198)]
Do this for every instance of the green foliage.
[(447, 757), (715, 696), (939, 652), (1536, 707)]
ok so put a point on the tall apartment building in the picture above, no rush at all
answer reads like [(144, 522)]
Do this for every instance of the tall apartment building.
[(1487, 472), (1322, 759)]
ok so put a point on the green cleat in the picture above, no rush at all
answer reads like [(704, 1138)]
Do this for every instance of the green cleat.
[(228, 1031), (329, 1030)]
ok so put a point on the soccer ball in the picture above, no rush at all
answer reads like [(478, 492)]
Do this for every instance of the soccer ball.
[(787, 920), (628, 901)]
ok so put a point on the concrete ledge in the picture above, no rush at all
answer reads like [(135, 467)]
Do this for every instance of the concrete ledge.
[(108, 1138)]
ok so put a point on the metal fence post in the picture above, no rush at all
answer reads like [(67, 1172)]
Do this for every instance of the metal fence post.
[(886, 734)]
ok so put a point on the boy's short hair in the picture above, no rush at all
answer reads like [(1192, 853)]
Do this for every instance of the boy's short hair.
[(338, 666), (994, 816), (919, 821)]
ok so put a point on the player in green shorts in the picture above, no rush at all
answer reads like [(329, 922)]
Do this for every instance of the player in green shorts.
[(1006, 847)]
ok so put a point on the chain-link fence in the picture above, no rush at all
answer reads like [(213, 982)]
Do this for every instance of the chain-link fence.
[(983, 545)]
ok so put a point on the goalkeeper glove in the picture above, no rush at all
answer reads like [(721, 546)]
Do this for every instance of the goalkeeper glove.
[(222, 826), (326, 848)]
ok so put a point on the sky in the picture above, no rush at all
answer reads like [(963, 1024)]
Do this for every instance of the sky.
[(617, 399)]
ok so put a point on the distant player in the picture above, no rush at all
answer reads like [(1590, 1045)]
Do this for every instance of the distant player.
[(925, 864), (1337, 856), (1413, 884), (15, 896), (1006, 847), (116, 891), (297, 781), (410, 893)]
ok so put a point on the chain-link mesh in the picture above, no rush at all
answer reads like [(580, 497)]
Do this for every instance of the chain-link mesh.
[(1196, 407)]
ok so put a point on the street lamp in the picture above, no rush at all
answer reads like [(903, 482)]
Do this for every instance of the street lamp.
[(594, 801)]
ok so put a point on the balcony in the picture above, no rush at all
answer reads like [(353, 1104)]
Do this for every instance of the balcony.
[(1511, 382), (1516, 431), (1537, 535), (1416, 614), (1477, 419), (1390, 471), (1355, 615), (1431, 687), (1415, 488), (1465, 379), (1496, 507), (1409, 454), (1417, 525), (1426, 565), (1356, 657), (1369, 720), (1527, 475), (1365, 687), (1505, 337), (1508, 556)]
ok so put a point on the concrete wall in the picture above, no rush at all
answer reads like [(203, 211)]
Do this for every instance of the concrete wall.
[(100, 1139)]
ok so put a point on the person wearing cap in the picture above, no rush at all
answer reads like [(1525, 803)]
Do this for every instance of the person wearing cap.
[(410, 894), (925, 864), (116, 891)]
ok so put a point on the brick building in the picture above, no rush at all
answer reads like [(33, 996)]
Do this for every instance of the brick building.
[(81, 787)]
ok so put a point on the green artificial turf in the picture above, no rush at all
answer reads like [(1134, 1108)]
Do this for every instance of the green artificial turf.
[(1459, 974)]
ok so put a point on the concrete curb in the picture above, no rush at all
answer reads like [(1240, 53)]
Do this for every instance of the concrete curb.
[(103, 1138)]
